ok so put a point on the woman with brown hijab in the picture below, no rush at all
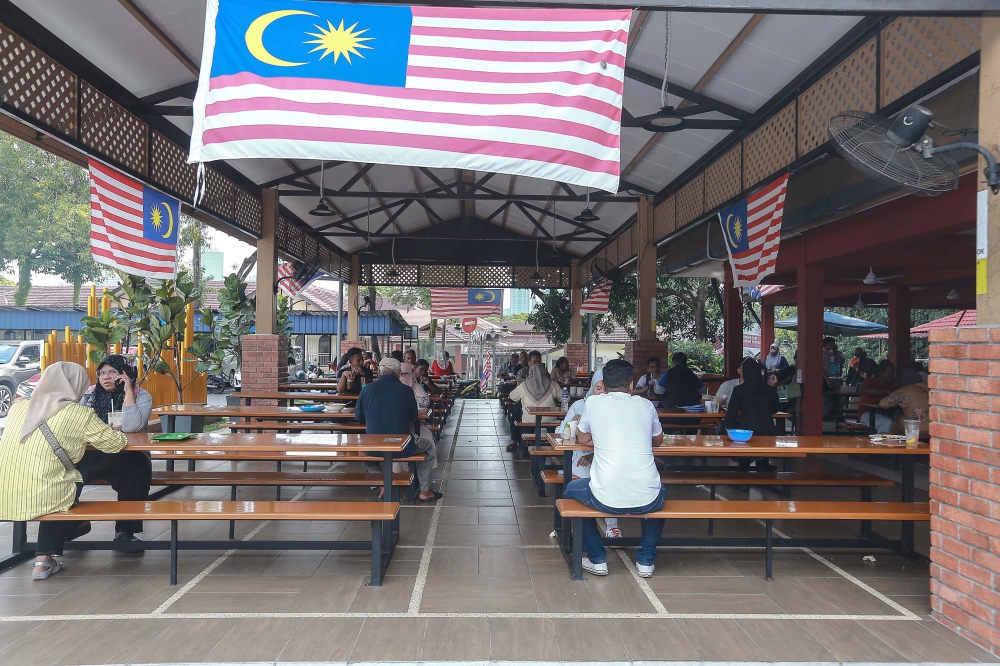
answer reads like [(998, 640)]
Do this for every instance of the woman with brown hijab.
[(537, 391), (44, 439)]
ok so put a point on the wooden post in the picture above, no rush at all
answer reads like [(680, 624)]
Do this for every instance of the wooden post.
[(576, 300), (810, 334), (267, 264), (646, 250), (988, 236), (899, 327), (766, 328), (732, 316), (352, 299)]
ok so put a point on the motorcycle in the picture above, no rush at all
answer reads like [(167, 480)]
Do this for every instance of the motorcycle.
[(216, 384)]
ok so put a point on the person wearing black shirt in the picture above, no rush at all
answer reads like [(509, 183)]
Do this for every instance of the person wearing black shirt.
[(389, 407), (679, 386), (753, 403), (352, 372)]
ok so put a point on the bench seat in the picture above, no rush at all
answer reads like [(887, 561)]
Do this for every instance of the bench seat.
[(551, 476), (765, 510), (380, 514)]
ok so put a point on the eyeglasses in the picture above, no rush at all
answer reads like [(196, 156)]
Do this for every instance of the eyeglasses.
[(108, 373)]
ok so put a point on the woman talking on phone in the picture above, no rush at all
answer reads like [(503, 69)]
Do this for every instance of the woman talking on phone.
[(120, 403)]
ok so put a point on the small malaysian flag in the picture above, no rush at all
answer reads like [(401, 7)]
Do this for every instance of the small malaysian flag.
[(760, 291), (752, 229), (466, 302), (597, 302), (132, 227), (484, 379)]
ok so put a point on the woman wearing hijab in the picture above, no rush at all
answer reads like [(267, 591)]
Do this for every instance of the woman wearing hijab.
[(537, 391), (44, 439), (442, 365), (407, 375), (129, 472), (753, 403)]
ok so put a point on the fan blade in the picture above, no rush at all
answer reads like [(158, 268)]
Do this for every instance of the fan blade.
[(694, 123)]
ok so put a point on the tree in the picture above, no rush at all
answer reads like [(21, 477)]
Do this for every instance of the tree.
[(687, 308), (192, 236), (406, 296), (236, 317), (552, 315)]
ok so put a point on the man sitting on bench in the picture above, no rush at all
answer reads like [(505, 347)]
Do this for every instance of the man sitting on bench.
[(623, 429)]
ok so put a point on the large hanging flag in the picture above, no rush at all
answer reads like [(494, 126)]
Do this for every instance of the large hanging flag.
[(466, 302), (534, 92), (597, 302), (484, 379), (752, 229), (132, 227), (286, 279)]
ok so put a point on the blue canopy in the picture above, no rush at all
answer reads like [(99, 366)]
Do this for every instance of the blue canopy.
[(837, 325)]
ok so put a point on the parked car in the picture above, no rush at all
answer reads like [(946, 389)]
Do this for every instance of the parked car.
[(19, 361)]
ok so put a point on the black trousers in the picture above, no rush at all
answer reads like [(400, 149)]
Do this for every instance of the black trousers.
[(53, 534), (128, 472), (516, 414)]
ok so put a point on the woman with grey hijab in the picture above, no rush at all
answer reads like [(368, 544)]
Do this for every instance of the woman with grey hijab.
[(537, 391)]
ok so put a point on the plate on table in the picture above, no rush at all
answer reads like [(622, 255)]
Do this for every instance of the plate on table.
[(694, 408), (171, 437), (311, 408)]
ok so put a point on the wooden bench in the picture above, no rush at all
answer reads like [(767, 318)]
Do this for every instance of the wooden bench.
[(381, 515), (260, 426), (768, 511)]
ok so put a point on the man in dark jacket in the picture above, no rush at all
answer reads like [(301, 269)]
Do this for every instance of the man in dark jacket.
[(388, 407), (679, 386)]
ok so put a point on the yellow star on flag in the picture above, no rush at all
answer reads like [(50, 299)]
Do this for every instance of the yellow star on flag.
[(156, 217), (339, 41), (479, 296)]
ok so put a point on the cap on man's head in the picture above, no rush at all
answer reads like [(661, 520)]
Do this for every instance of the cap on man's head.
[(389, 364)]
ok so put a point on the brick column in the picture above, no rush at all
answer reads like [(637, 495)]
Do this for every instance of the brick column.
[(576, 352), (347, 344), (965, 481), (265, 364), (638, 351)]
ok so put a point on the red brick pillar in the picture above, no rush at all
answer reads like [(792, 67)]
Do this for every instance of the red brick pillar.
[(576, 352), (732, 324), (965, 481), (265, 364), (347, 344), (637, 352)]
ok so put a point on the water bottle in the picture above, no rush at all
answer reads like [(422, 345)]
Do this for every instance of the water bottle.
[(565, 399)]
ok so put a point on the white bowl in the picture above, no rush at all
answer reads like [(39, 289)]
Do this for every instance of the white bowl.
[(334, 409)]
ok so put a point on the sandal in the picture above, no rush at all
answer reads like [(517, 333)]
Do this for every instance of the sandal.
[(433, 498), (52, 567), (512, 447)]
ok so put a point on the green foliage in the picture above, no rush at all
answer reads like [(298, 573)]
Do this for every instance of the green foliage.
[(101, 333), (701, 355), (236, 317), (407, 296), (284, 315), (552, 316), (164, 329), (131, 313)]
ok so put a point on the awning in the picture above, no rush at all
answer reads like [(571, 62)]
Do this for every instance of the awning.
[(954, 320), (837, 325)]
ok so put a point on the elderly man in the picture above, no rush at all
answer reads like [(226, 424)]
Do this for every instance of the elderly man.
[(388, 407)]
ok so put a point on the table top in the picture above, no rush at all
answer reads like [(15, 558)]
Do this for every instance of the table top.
[(284, 395), (269, 441), (314, 385), (665, 413), (258, 412), (778, 447)]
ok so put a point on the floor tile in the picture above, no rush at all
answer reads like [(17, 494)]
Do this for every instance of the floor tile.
[(255, 639), (482, 594), (456, 639), (916, 642), (47, 643), (321, 640), (588, 640), (720, 640), (782, 640), (515, 639), (389, 639), (848, 641), (392, 596), (185, 641), (654, 640)]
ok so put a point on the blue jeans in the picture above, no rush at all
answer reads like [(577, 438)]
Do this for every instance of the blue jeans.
[(593, 540)]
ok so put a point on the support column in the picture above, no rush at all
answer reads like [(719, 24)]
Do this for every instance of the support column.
[(353, 338), (267, 264), (732, 320), (766, 328), (899, 327), (988, 276), (576, 300), (646, 248), (810, 350)]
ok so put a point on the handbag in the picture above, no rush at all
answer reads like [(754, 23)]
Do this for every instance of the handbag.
[(57, 448)]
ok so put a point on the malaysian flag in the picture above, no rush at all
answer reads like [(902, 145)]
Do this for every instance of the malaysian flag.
[(132, 227), (484, 379), (286, 279), (597, 302), (534, 92), (466, 302), (752, 229)]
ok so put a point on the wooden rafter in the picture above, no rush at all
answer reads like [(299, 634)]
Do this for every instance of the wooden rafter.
[(160, 36)]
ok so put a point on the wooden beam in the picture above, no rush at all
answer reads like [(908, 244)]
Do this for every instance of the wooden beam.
[(160, 36), (638, 20), (510, 191), (416, 186)]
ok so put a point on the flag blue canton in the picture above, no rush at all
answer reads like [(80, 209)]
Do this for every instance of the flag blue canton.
[(366, 44), (485, 296), (734, 228), (161, 217)]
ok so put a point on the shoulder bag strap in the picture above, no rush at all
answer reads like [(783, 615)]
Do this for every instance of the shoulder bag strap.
[(57, 448)]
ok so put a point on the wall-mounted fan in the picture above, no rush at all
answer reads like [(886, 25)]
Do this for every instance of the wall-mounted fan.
[(899, 153)]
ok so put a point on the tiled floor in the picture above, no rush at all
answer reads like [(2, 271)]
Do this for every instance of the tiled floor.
[(477, 578)]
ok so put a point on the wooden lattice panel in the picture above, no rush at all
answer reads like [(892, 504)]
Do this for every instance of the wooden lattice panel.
[(36, 85), (724, 178), (282, 232), (551, 277), (587, 274), (626, 245), (691, 200), (110, 130), (219, 194), (246, 208), (296, 243), (850, 85), (916, 49), (310, 248), (434, 275), (495, 277), (665, 218), (169, 170), (769, 148), (378, 274)]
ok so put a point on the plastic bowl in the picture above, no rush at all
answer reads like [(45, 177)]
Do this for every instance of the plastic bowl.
[(334, 409), (311, 408), (739, 435)]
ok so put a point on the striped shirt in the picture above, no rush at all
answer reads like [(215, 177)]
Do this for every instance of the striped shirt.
[(32, 480)]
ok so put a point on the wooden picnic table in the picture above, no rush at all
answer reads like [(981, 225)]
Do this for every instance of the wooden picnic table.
[(191, 418), (288, 397), (314, 385), (773, 447)]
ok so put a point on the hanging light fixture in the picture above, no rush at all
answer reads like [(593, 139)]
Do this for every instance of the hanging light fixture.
[(666, 119), (860, 304), (587, 215), (393, 273), (953, 295), (321, 209), (536, 276)]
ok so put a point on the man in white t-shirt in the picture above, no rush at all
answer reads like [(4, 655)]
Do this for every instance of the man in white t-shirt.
[(624, 480)]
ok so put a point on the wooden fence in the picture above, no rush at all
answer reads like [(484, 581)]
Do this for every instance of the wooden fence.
[(161, 387)]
